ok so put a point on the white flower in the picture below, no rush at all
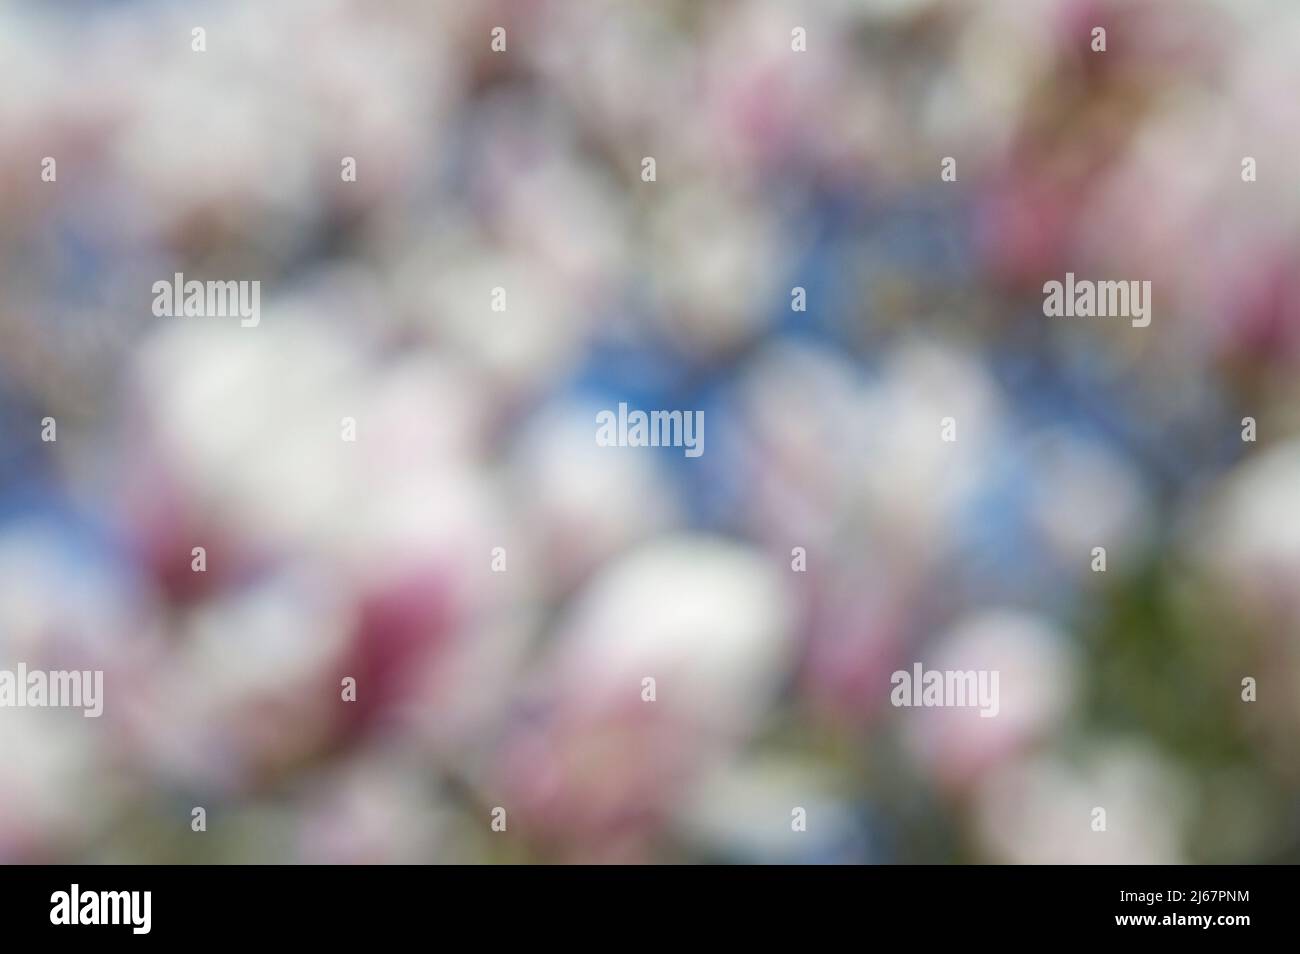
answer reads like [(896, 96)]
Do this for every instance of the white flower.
[(1035, 690), (1043, 810), (1249, 536), (707, 618)]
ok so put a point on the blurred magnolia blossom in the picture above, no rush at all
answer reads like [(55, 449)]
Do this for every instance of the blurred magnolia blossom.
[(367, 577), (246, 689), (394, 479), (808, 485), (582, 504), (63, 608), (1157, 189), (49, 761), (517, 325), (857, 618), (1229, 281), (1247, 538), (375, 809), (566, 211), (259, 448), (596, 764), (772, 810), (1036, 689), (1087, 497), (626, 78), (711, 616), (763, 106), (917, 498), (1122, 804), (713, 261), (59, 611)]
